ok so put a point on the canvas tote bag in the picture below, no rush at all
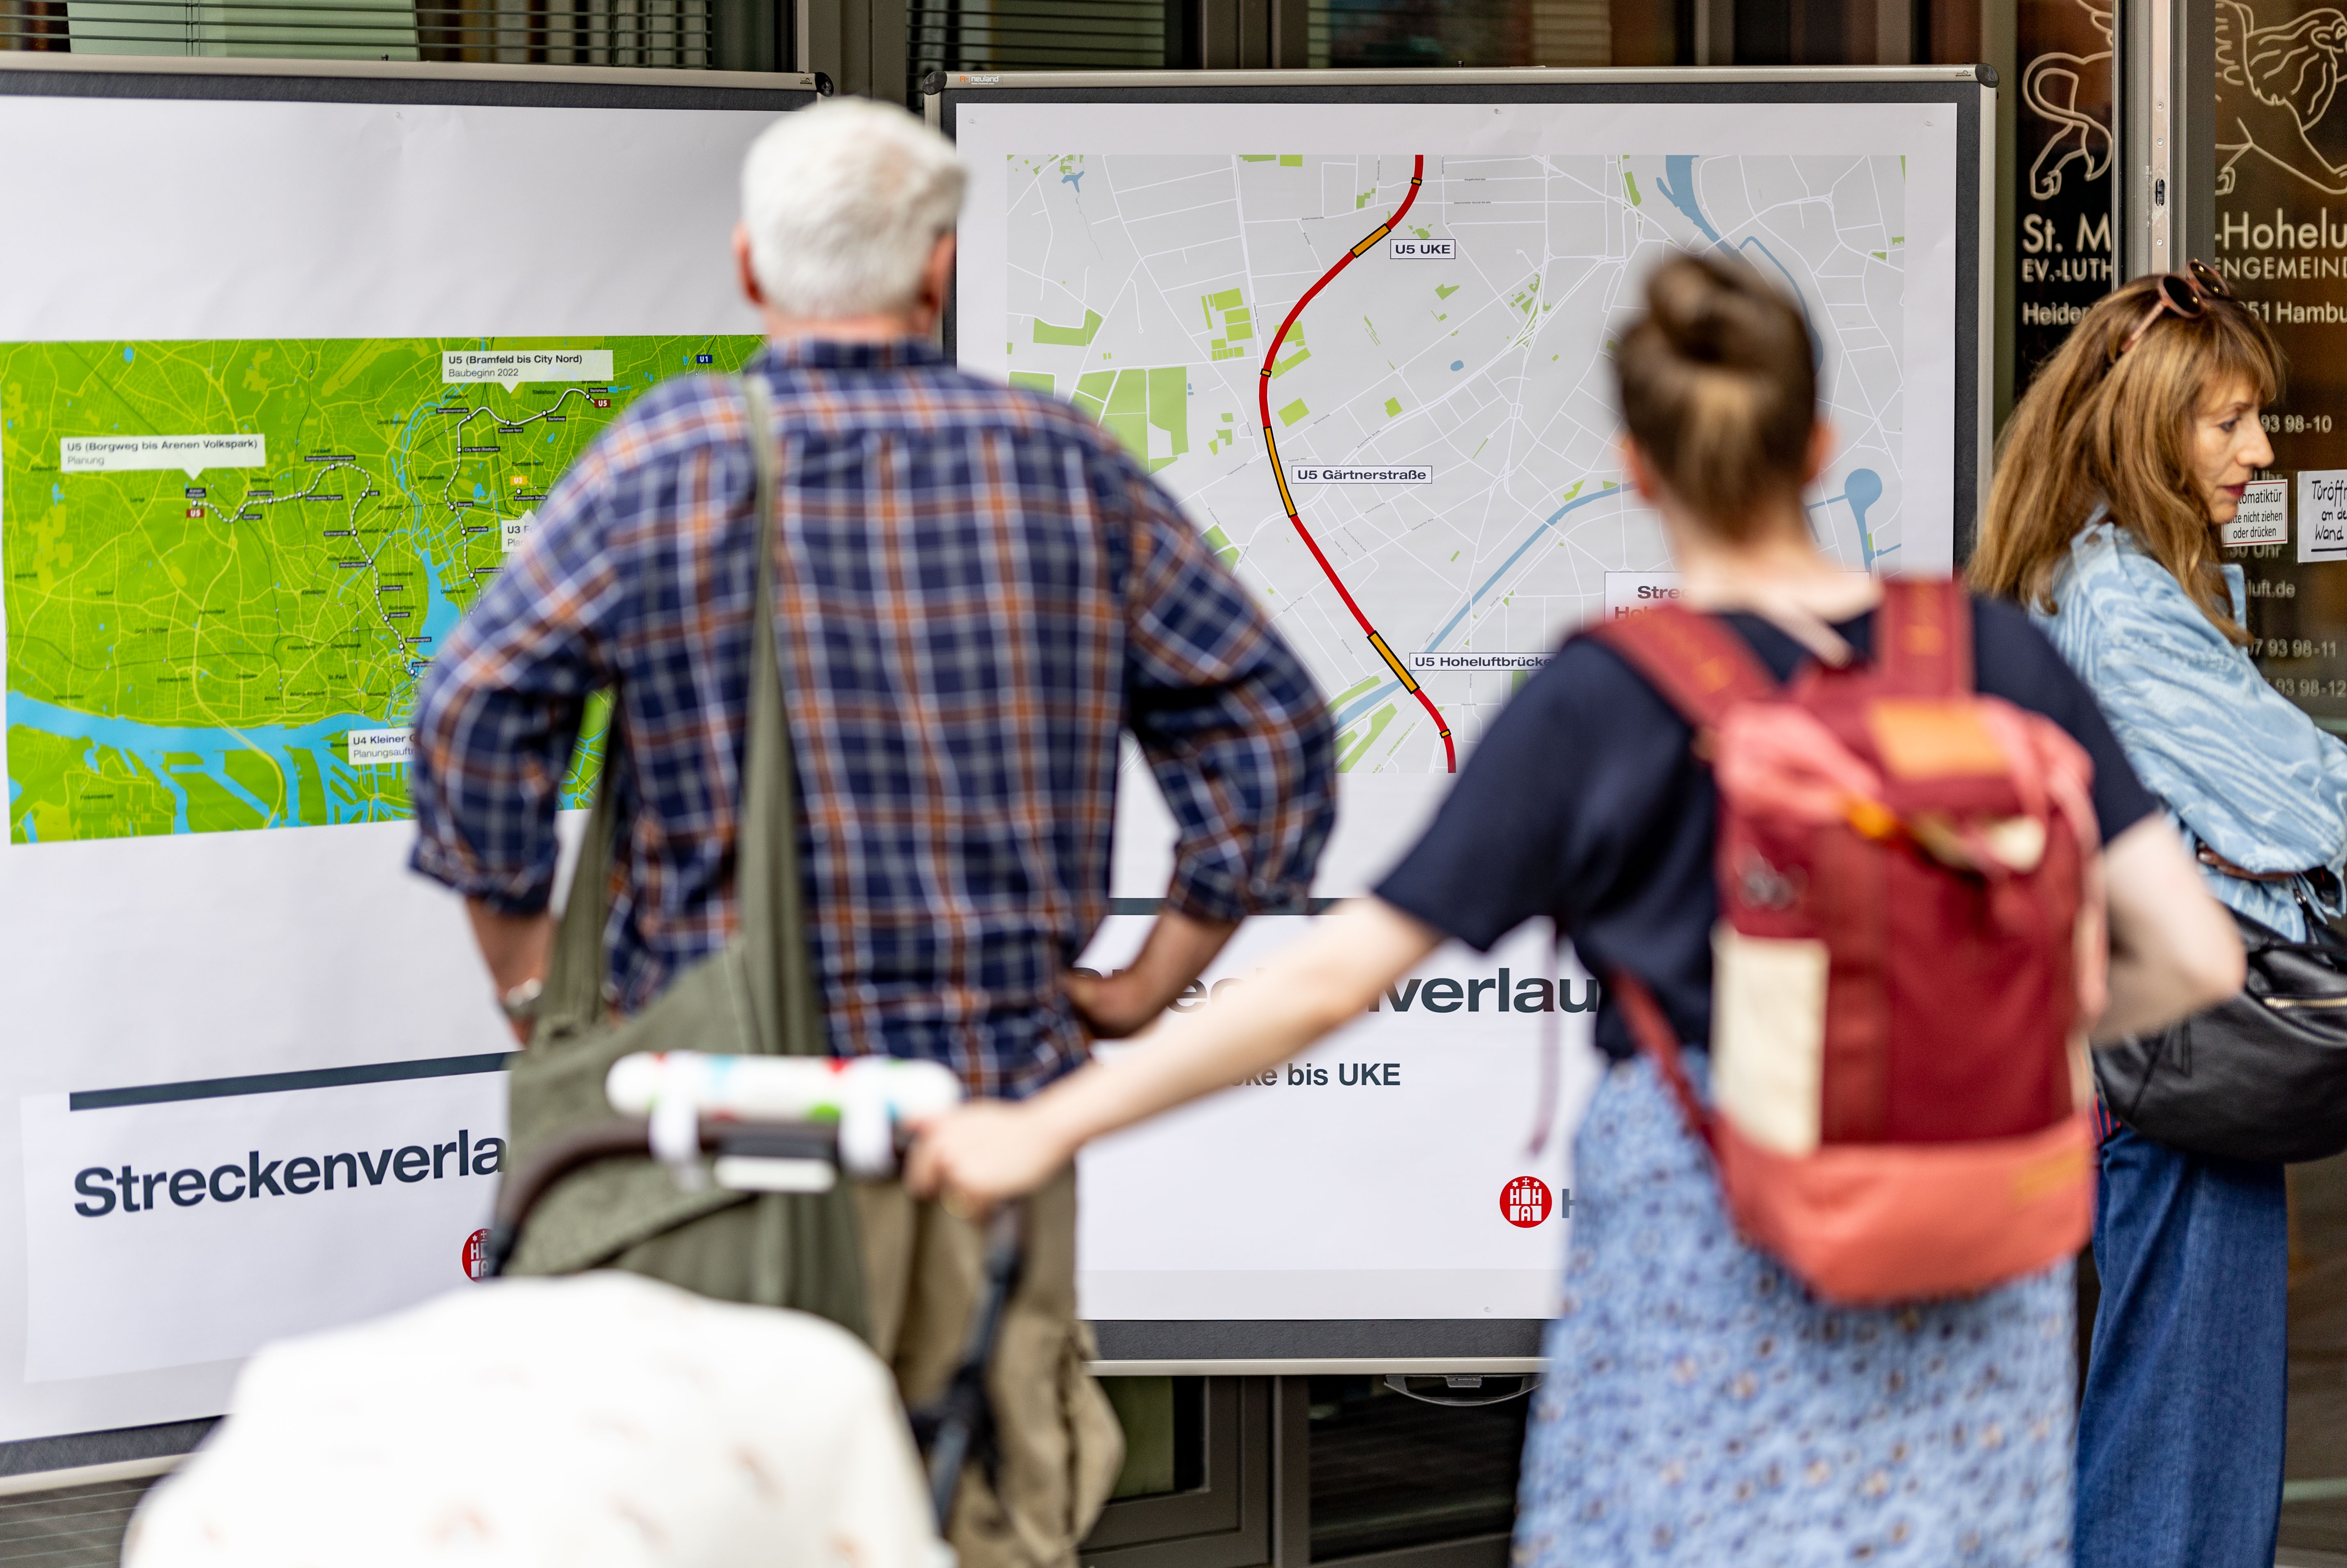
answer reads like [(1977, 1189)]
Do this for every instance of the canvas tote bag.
[(757, 997)]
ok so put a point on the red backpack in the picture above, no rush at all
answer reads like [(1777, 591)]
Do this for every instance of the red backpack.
[(1909, 950)]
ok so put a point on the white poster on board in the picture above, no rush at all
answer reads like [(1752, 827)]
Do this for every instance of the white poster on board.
[(1370, 347), (249, 476)]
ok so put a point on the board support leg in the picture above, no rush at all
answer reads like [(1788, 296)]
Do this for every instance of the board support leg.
[(1291, 1472)]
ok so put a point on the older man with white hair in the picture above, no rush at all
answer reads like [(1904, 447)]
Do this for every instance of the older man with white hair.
[(976, 591)]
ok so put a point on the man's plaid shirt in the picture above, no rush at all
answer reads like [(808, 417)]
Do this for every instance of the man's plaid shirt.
[(977, 590)]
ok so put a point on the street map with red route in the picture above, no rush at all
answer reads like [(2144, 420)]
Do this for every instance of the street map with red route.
[(1381, 385)]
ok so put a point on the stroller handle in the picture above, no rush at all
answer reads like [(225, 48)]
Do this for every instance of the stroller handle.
[(620, 1137)]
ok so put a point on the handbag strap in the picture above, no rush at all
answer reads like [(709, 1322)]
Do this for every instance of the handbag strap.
[(575, 969), (2208, 856), (770, 898), (771, 907)]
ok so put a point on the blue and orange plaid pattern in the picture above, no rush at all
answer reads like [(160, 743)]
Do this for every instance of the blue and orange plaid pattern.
[(976, 590)]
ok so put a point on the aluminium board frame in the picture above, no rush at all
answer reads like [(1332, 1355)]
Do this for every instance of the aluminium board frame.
[(29, 74), (1136, 1348)]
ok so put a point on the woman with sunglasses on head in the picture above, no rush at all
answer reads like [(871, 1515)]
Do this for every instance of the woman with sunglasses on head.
[(2129, 453)]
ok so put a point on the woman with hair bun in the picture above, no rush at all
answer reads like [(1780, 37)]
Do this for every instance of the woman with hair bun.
[(2127, 455), (1701, 1407)]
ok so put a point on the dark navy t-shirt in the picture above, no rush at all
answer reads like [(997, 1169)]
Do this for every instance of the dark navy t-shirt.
[(1584, 804)]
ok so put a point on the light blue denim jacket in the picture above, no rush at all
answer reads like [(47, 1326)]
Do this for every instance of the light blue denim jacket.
[(2242, 769)]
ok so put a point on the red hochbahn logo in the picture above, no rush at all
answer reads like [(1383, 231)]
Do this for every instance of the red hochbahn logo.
[(1525, 1200), (477, 1255)]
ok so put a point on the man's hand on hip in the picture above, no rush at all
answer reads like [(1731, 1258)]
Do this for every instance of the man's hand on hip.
[(1178, 949), (514, 947)]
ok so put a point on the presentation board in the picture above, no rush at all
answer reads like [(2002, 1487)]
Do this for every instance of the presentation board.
[(1360, 324), (297, 349), (287, 354)]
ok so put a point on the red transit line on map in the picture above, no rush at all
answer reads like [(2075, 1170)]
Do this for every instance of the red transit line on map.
[(1271, 444)]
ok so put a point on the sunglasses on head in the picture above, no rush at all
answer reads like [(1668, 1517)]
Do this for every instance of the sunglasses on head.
[(2185, 294)]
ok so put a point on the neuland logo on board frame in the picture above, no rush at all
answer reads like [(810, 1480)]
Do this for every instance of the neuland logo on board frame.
[(1526, 1201)]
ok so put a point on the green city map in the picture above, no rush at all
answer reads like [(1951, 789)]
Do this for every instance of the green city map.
[(239, 646)]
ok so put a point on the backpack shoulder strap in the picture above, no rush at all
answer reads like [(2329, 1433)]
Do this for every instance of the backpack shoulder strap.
[(1656, 1036), (1698, 664), (1924, 637)]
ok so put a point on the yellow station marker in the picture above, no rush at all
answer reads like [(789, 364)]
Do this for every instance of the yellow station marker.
[(1393, 663)]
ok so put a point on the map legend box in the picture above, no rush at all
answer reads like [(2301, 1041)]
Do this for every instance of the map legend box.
[(1632, 590), (1390, 474), (510, 367), (1470, 662), (147, 453), (378, 748)]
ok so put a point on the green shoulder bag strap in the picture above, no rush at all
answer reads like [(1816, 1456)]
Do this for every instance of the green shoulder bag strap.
[(756, 997)]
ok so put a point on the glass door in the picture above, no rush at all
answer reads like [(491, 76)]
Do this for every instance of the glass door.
[(2279, 209)]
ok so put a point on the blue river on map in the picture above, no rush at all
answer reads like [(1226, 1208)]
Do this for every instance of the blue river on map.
[(164, 752)]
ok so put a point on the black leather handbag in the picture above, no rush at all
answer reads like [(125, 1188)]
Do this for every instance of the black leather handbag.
[(2260, 1077)]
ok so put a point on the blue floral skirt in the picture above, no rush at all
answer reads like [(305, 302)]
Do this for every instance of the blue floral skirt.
[(1702, 1408)]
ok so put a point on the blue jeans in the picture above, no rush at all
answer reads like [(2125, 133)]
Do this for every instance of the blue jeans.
[(2180, 1436)]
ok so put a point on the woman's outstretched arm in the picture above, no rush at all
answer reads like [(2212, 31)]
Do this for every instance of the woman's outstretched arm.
[(2173, 950), (990, 1150)]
